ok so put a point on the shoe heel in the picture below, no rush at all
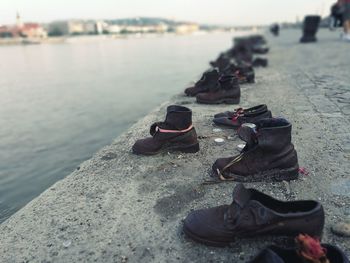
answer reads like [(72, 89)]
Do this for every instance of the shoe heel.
[(191, 149), (187, 148), (232, 101), (287, 174)]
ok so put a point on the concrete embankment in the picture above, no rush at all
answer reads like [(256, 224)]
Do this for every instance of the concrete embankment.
[(119, 207)]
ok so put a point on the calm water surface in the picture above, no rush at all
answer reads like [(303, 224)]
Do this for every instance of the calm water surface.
[(60, 103)]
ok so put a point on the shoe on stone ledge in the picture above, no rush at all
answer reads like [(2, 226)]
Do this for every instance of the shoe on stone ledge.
[(207, 82), (234, 119), (254, 214), (227, 91), (176, 133), (269, 154)]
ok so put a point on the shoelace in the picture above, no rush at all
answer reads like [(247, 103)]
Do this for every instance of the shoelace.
[(303, 171), (157, 129), (232, 214), (238, 113), (235, 160)]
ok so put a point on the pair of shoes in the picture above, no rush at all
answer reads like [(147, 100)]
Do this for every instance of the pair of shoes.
[(268, 155), (226, 90), (204, 84), (307, 250), (234, 119), (256, 43), (212, 80), (242, 51), (214, 88)]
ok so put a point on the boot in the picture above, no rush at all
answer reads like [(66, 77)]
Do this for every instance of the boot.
[(221, 62), (275, 29), (176, 133), (310, 251), (256, 44), (239, 116), (207, 81), (227, 91), (268, 155), (310, 28), (253, 214), (243, 54)]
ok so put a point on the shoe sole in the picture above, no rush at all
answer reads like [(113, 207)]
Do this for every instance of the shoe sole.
[(281, 240), (194, 237), (273, 175), (193, 148), (225, 101)]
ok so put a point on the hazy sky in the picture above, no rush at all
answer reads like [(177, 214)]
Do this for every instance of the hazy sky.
[(229, 12)]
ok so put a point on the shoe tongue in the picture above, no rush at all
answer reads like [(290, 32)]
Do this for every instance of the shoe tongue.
[(241, 195), (248, 133)]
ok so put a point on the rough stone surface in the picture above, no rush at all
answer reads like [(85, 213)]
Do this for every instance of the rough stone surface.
[(342, 228), (119, 207)]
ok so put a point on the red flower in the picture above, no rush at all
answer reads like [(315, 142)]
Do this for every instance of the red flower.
[(310, 249)]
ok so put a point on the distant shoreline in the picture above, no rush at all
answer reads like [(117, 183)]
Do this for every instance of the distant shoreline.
[(70, 39)]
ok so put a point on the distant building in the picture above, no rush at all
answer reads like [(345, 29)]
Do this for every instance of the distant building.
[(27, 30), (76, 27), (100, 27), (33, 30), (161, 28), (6, 32), (89, 28), (186, 28), (113, 29), (58, 28)]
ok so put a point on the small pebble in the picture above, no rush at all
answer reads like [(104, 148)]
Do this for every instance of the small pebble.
[(217, 130), (219, 141), (240, 146), (342, 228)]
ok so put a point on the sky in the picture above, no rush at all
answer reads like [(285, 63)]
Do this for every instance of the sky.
[(220, 12)]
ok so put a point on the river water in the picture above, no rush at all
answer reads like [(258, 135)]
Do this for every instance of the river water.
[(60, 103)]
